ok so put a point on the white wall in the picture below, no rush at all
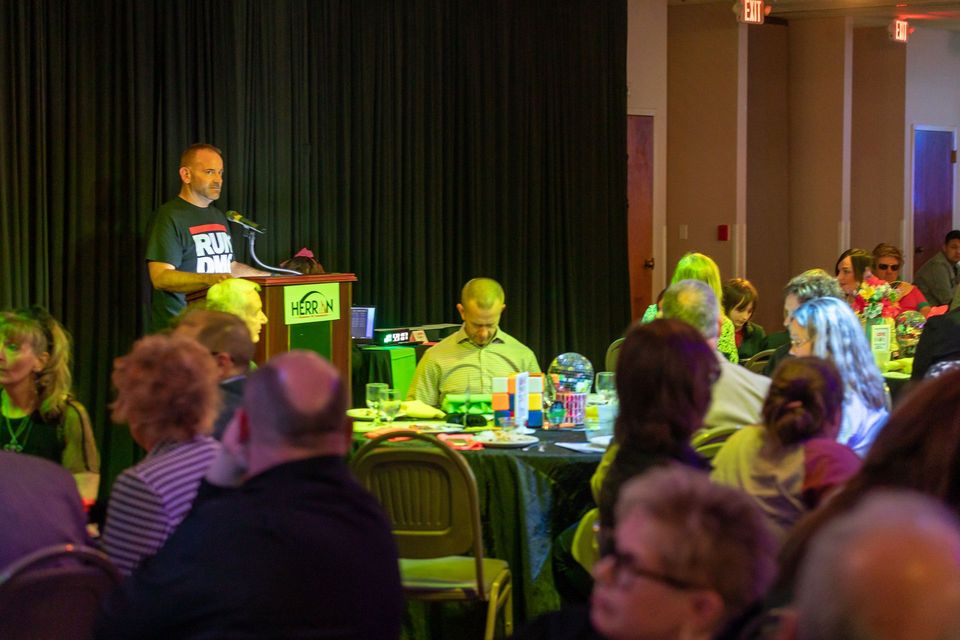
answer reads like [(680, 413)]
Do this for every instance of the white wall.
[(647, 95)]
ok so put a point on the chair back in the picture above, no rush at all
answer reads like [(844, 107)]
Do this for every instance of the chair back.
[(707, 442), (613, 352), (429, 493), (759, 360), (55, 592)]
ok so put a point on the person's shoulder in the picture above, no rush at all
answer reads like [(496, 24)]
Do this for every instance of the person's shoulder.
[(571, 623), (25, 468), (741, 375)]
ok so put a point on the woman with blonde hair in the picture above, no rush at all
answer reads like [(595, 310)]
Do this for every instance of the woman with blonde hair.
[(697, 266), (39, 415), (828, 328)]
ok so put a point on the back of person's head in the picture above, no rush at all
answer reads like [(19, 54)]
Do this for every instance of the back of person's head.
[(697, 266), (814, 283), (221, 333), (860, 260), (887, 570), (295, 400), (483, 292), (303, 262), (739, 293), (837, 336), (41, 331), (805, 397), (664, 374), (714, 537), (231, 295), (166, 389), (693, 302), (884, 250)]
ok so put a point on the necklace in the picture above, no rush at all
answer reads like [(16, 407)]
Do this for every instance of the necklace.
[(16, 444)]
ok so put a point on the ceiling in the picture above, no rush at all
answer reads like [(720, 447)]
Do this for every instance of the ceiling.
[(921, 13)]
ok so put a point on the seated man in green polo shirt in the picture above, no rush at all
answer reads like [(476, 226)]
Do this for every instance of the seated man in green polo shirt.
[(467, 361)]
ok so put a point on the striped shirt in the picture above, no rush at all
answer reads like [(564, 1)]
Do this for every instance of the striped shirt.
[(150, 500), (456, 365)]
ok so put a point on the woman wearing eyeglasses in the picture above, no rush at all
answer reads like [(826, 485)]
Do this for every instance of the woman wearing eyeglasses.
[(887, 263), (828, 328)]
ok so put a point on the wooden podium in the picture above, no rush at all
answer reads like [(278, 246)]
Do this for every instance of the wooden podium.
[(329, 338)]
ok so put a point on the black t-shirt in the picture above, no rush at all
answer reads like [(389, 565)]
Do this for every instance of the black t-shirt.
[(191, 238)]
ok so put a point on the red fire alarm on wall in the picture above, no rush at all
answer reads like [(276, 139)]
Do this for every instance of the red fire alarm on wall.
[(723, 232)]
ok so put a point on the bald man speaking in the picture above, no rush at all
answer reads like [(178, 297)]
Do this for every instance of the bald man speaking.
[(470, 358)]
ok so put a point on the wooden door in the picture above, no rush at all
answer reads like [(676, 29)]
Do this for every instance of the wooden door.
[(934, 159), (640, 211)]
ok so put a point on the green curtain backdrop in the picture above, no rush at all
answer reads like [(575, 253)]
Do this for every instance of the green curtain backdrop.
[(415, 143)]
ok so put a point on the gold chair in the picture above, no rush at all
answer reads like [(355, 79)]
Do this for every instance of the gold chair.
[(759, 360), (55, 593), (430, 496), (707, 442), (613, 352)]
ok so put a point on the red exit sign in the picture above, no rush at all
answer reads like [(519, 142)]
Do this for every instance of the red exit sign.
[(900, 30), (751, 11)]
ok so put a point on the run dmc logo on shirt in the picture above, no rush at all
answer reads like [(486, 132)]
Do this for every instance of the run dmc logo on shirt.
[(214, 248)]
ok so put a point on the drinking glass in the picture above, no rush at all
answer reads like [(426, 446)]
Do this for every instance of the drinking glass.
[(375, 394), (390, 405), (606, 386)]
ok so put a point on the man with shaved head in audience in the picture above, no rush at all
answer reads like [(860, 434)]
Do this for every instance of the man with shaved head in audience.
[(888, 570), (228, 340), (469, 359), (282, 541)]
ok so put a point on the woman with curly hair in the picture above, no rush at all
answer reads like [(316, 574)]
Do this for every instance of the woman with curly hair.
[(167, 392), (828, 328), (697, 266), (39, 416)]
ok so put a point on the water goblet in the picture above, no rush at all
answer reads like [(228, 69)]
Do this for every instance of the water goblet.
[(606, 386), (375, 394), (390, 405)]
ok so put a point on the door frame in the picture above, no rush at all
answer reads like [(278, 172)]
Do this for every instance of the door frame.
[(907, 231)]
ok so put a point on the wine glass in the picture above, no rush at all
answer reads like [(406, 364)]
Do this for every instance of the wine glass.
[(606, 386), (375, 394), (390, 405)]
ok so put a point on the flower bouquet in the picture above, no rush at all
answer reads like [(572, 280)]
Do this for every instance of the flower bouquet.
[(876, 299)]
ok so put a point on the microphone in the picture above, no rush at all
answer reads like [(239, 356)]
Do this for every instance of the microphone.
[(236, 216)]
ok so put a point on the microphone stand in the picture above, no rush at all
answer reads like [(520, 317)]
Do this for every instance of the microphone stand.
[(251, 236)]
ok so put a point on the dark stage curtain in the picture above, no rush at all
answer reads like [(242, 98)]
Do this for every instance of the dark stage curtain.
[(415, 143)]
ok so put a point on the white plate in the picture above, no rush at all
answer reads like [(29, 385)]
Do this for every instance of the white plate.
[(436, 427), (362, 414), (501, 440), (366, 414), (601, 441)]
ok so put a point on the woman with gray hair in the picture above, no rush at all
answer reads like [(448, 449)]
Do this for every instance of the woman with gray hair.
[(828, 328)]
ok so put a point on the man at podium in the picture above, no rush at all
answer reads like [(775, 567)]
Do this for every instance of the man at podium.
[(469, 359), (188, 246)]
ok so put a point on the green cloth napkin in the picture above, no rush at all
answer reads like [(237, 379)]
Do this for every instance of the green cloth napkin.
[(478, 403)]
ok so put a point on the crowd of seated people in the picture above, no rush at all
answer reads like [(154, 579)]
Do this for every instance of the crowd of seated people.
[(810, 522)]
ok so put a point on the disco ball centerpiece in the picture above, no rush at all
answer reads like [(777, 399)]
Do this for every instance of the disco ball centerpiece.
[(572, 373), (909, 327)]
